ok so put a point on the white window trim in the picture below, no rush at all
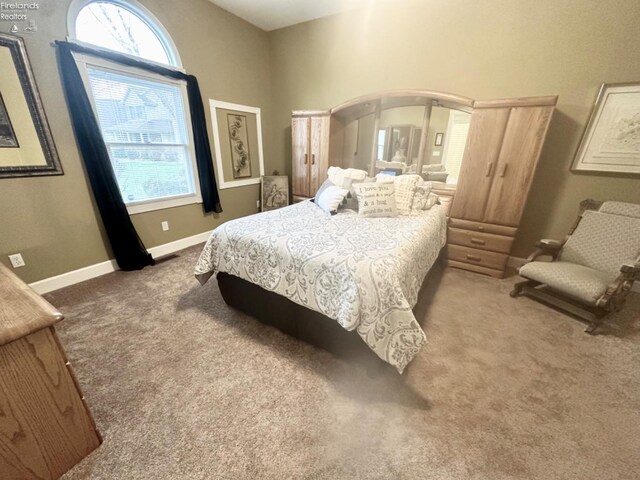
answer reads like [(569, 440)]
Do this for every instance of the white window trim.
[(133, 208), (140, 11)]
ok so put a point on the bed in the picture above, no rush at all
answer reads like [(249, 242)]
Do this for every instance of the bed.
[(364, 273)]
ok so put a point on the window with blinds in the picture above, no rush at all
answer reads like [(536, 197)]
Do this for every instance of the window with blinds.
[(455, 142), (145, 128)]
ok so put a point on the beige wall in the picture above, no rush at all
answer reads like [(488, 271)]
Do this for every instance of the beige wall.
[(483, 50), (52, 221)]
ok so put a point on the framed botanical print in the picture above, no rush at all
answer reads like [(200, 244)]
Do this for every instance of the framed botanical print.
[(611, 142), (26, 144), (237, 140)]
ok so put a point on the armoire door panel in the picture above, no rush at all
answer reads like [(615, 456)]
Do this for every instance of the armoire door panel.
[(478, 164), (300, 156), (516, 165), (319, 152)]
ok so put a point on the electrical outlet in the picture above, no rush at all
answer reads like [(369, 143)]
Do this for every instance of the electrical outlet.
[(165, 226), (257, 203), (17, 260)]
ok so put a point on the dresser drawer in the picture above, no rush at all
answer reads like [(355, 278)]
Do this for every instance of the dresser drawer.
[(483, 227), (474, 256), (479, 240)]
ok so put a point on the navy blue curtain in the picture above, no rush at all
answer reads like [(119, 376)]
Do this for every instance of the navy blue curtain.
[(127, 247)]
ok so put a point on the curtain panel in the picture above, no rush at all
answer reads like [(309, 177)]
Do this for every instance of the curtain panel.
[(127, 247)]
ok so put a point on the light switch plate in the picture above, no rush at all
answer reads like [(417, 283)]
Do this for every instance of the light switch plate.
[(16, 260), (165, 226)]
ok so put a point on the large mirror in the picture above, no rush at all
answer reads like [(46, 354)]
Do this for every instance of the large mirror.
[(397, 142)]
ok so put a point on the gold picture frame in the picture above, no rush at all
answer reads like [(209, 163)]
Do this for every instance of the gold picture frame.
[(26, 144)]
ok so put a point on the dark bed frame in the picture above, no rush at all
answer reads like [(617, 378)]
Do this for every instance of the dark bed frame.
[(311, 326)]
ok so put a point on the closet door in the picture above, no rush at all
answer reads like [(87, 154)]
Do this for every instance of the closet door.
[(319, 150), (484, 140), (523, 138), (300, 155)]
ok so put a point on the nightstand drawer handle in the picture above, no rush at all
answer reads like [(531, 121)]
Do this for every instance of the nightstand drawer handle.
[(477, 241), (473, 258)]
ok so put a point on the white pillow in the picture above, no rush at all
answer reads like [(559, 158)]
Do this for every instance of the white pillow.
[(343, 178), (405, 189), (376, 199), (330, 198)]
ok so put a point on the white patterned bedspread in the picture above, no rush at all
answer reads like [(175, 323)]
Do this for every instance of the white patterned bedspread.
[(363, 272)]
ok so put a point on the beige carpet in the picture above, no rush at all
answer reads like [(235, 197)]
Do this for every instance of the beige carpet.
[(182, 386)]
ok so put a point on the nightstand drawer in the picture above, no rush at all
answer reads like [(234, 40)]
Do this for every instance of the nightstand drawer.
[(474, 256), (479, 240)]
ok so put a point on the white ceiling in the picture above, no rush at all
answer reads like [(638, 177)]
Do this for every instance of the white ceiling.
[(273, 14)]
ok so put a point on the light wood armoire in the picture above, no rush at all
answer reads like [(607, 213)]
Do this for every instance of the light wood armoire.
[(310, 151), (503, 146)]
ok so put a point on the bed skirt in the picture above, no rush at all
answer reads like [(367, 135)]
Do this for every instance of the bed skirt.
[(308, 325)]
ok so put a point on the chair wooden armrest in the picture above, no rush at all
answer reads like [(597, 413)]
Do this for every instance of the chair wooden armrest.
[(546, 246), (630, 270)]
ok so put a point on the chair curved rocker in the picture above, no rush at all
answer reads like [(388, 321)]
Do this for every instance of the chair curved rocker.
[(592, 271)]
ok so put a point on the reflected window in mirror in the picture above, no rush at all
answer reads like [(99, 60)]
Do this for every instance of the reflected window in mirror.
[(381, 138), (454, 144)]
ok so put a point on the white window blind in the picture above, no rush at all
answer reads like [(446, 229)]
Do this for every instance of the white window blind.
[(144, 126), (455, 143)]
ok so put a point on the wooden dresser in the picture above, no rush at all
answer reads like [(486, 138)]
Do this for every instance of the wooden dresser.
[(45, 425), (503, 147)]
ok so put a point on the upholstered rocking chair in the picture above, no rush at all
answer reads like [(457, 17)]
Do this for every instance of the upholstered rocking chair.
[(591, 273)]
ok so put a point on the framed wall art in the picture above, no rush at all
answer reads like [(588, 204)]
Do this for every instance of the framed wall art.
[(237, 140), (611, 142), (26, 144), (275, 192)]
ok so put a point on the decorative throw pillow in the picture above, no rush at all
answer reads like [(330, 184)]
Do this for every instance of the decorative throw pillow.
[(330, 198), (376, 199), (327, 183), (405, 189), (352, 200), (421, 196), (429, 201), (343, 178)]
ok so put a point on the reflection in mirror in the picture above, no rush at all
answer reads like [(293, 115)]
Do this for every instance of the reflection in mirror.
[(358, 142), (399, 142), (446, 142)]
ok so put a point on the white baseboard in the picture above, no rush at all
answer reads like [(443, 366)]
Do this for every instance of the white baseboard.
[(92, 271), (517, 262), (172, 247)]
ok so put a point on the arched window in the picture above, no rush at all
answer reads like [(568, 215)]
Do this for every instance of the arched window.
[(143, 116), (125, 27)]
